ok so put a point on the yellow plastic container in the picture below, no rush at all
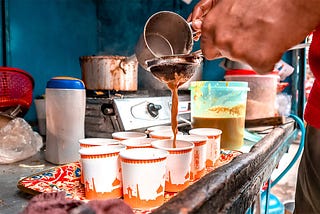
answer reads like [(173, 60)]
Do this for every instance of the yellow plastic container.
[(221, 105)]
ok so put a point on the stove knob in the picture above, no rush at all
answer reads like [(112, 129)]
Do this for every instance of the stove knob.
[(153, 109), (107, 109)]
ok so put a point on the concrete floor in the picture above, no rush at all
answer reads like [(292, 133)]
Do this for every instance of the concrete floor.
[(285, 188)]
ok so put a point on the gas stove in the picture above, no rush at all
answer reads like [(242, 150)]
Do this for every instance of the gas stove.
[(108, 112)]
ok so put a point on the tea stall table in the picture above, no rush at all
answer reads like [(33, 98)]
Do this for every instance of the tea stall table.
[(231, 188)]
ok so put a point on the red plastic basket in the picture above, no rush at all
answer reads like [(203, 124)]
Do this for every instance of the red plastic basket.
[(16, 89)]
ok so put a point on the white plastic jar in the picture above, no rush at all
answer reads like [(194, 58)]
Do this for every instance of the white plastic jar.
[(65, 115), (261, 100)]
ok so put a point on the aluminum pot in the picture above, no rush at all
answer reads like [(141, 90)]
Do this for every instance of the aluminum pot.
[(165, 33), (118, 73)]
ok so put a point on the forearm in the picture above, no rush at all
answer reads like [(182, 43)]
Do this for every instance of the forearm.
[(255, 32)]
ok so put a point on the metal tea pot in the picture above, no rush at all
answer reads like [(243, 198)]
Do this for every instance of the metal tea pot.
[(165, 33)]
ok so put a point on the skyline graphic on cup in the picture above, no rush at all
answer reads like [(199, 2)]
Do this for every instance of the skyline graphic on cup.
[(102, 171)]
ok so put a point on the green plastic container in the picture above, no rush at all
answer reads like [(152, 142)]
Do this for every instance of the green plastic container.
[(220, 105)]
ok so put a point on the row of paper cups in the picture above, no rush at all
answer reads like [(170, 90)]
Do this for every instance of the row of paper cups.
[(140, 169)]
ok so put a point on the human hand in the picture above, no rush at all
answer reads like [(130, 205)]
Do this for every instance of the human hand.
[(198, 14), (254, 32)]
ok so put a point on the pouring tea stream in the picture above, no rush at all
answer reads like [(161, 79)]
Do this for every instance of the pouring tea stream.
[(174, 70), (164, 49)]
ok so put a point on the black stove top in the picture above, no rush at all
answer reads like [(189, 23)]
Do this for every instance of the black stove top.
[(132, 94)]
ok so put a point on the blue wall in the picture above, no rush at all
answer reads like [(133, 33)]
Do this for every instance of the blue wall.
[(47, 37)]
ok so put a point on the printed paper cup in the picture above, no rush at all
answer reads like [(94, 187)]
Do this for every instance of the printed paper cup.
[(128, 135), (134, 143), (143, 173), (163, 134), (213, 143), (178, 165), (158, 128), (198, 161), (101, 171), (90, 142)]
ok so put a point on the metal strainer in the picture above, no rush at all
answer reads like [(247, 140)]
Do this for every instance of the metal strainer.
[(178, 68)]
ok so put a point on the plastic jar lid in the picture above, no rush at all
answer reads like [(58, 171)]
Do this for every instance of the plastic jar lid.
[(65, 83), (237, 85), (246, 72)]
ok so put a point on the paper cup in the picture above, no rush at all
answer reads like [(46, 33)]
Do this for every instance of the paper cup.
[(198, 161), (163, 134), (178, 165), (128, 135), (134, 143), (101, 171), (213, 143), (90, 142), (143, 173), (158, 128)]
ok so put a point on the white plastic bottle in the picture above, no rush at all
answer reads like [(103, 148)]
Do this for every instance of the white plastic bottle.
[(65, 115)]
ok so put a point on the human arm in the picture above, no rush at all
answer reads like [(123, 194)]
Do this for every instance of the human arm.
[(253, 32)]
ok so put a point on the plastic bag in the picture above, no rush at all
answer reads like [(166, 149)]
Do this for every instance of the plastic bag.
[(283, 104), (18, 141)]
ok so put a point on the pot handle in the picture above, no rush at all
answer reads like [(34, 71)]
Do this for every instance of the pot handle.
[(125, 61)]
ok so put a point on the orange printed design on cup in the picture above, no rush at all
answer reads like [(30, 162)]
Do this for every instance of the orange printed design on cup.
[(120, 139), (198, 165), (140, 146), (124, 160), (141, 191), (128, 135), (136, 201), (214, 137), (101, 166), (82, 145), (161, 137), (209, 163), (93, 194), (170, 187), (197, 172), (180, 151), (197, 175), (99, 156), (199, 143), (178, 163), (86, 145), (216, 150)]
